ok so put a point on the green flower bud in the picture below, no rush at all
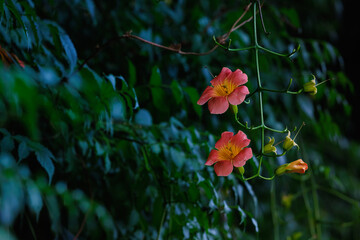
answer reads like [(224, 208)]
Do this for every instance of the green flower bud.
[(269, 147), (289, 143), (310, 87), (241, 170)]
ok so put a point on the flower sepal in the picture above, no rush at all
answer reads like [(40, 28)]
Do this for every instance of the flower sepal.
[(234, 109)]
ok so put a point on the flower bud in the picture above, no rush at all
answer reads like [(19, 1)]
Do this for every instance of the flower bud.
[(310, 87), (269, 147), (286, 200), (289, 143), (298, 166), (241, 170)]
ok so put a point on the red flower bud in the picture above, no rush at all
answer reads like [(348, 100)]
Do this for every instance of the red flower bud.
[(298, 166)]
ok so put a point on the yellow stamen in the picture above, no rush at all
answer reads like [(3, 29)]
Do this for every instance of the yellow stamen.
[(224, 89), (228, 152)]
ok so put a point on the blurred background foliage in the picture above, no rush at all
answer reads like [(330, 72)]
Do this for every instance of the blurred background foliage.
[(101, 136)]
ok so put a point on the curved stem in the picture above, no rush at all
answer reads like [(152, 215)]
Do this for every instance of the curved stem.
[(267, 178), (249, 178), (231, 49), (275, 130), (282, 91), (280, 54), (261, 18), (246, 124), (276, 155)]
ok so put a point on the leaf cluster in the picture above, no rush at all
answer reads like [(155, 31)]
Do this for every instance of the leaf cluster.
[(113, 145)]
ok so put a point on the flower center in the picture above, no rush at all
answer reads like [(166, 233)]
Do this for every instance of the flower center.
[(228, 152), (224, 89)]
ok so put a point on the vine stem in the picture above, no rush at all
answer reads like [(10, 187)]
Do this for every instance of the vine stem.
[(162, 222), (274, 211), (260, 92)]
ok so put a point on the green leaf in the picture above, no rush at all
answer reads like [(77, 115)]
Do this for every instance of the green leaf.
[(70, 51), (254, 222), (30, 13), (2, 4), (252, 194), (193, 192), (177, 91), (143, 117), (91, 8), (147, 165), (11, 6), (44, 157), (292, 15), (118, 108), (54, 31), (194, 97), (107, 163), (6, 234), (34, 199), (7, 144), (157, 92), (243, 215), (23, 151)]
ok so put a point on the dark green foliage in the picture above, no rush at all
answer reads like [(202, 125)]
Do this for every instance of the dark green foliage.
[(101, 136)]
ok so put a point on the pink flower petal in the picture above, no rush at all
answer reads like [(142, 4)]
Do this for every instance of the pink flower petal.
[(207, 94), (225, 72), (225, 138), (238, 138), (242, 157), (238, 95), (223, 168), (213, 158), (238, 78), (218, 105), (243, 143)]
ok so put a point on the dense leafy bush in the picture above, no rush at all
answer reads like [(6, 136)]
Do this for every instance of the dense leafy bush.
[(101, 135)]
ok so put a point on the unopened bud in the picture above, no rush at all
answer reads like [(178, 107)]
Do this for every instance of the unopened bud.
[(269, 147), (289, 143), (310, 87), (298, 166)]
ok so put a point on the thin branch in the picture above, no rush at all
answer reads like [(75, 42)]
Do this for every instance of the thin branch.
[(262, 20), (173, 48)]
